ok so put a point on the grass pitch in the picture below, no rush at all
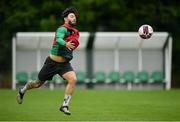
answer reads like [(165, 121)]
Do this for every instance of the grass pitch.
[(92, 105)]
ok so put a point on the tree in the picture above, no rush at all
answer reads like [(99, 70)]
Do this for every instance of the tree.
[(95, 15)]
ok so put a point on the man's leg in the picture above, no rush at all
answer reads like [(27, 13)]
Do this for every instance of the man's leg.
[(28, 86), (48, 70), (71, 78)]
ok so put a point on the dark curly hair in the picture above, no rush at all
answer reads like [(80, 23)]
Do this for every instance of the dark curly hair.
[(69, 10)]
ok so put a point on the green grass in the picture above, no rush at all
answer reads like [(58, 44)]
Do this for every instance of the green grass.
[(92, 105)]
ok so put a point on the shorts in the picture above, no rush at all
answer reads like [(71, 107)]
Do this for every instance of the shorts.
[(51, 68)]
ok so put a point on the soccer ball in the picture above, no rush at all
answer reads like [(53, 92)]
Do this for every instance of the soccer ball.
[(145, 31)]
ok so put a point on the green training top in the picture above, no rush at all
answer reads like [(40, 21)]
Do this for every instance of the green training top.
[(59, 44)]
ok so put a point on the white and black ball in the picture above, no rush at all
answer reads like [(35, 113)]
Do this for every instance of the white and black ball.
[(145, 31)]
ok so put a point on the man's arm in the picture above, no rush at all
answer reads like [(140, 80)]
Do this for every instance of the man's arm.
[(60, 33)]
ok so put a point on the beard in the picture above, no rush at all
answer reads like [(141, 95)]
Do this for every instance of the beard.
[(72, 23)]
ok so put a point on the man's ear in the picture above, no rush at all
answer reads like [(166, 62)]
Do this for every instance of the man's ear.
[(65, 18)]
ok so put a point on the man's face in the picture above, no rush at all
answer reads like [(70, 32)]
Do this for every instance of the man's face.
[(71, 19)]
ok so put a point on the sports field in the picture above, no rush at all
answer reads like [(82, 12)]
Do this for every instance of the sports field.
[(92, 105)]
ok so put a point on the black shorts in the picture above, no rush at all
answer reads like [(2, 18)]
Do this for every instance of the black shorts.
[(51, 68)]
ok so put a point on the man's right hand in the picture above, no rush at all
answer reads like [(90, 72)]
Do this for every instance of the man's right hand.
[(70, 45)]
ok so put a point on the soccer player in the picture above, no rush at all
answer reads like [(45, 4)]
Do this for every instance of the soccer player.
[(58, 62)]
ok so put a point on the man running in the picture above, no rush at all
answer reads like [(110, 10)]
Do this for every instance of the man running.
[(58, 62)]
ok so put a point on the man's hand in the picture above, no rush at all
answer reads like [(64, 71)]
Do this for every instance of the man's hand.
[(70, 45)]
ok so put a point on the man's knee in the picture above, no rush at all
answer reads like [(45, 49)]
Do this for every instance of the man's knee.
[(73, 80)]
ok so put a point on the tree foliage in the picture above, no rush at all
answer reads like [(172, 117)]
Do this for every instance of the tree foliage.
[(95, 15)]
